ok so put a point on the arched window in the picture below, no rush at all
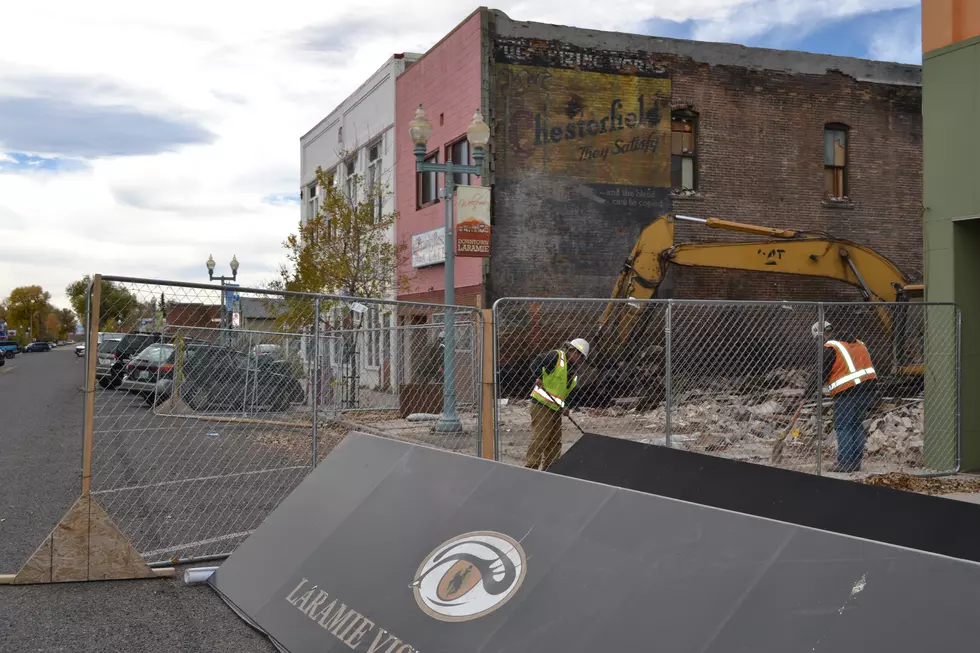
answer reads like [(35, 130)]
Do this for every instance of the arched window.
[(835, 161)]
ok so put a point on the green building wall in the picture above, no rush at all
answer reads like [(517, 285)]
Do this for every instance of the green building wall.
[(951, 159)]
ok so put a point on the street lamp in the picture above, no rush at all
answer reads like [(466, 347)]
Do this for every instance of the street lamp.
[(222, 279), (478, 135)]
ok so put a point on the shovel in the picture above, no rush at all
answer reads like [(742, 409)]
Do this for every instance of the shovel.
[(777, 448)]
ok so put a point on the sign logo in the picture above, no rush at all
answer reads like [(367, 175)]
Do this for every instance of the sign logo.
[(469, 576)]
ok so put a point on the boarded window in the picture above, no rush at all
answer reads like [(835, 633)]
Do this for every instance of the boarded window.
[(835, 161), (683, 151)]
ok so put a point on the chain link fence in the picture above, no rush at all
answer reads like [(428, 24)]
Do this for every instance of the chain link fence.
[(212, 403), (742, 380)]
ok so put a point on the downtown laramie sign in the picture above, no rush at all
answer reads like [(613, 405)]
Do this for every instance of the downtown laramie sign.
[(389, 547)]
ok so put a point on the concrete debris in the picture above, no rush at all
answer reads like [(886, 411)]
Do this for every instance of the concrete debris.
[(721, 415)]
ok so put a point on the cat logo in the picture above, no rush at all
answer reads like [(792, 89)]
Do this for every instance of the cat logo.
[(469, 576)]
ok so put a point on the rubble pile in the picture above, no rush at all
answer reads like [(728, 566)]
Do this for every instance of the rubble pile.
[(895, 431), (934, 485), (742, 415)]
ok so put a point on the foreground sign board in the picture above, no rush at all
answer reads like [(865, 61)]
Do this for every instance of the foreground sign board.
[(472, 212), (389, 547)]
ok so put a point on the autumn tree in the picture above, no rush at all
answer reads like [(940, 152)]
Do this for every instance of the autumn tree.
[(27, 308), (116, 305), (347, 248), (67, 322)]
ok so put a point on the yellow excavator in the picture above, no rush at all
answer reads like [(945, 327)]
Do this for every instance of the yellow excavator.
[(620, 365), (782, 251)]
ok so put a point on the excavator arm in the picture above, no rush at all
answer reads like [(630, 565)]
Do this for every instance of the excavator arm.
[(783, 251)]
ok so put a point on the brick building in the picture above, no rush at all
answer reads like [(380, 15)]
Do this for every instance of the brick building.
[(595, 134)]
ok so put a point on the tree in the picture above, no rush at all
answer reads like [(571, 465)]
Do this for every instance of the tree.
[(116, 305), (346, 247), (67, 323), (27, 307), (51, 328)]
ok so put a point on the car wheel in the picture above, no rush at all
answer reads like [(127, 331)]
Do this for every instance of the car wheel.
[(8, 354), (104, 383)]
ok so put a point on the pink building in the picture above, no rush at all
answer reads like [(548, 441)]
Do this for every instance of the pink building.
[(447, 82)]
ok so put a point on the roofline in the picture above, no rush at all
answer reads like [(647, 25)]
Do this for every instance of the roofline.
[(449, 33), (409, 57), (733, 54)]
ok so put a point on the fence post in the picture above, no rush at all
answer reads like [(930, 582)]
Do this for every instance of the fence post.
[(668, 380), (818, 409), (488, 403), (91, 359), (316, 378)]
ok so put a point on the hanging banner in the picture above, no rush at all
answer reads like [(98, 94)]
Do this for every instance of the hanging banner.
[(472, 221)]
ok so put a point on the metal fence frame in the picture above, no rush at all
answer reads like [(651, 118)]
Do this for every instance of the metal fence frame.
[(317, 331), (669, 306)]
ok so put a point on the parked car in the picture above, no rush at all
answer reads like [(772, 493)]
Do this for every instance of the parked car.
[(37, 346), (110, 376), (150, 372), (9, 348), (218, 377)]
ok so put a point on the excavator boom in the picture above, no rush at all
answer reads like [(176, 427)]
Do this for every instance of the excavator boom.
[(783, 251)]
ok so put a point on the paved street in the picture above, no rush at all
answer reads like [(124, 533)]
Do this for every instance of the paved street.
[(40, 454)]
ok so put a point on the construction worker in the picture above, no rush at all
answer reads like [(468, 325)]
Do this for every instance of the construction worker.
[(850, 379), (556, 380)]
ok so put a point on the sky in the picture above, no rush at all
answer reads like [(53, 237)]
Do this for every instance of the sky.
[(138, 138)]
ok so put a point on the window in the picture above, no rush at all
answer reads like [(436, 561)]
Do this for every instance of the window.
[(374, 181), (459, 152), (349, 183), (835, 161), (683, 151), (425, 192), (312, 201)]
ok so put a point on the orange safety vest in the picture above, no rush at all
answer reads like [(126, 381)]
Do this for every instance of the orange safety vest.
[(851, 367)]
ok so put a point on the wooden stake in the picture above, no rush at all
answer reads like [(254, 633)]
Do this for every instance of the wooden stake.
[(91, 359), (489, 394)]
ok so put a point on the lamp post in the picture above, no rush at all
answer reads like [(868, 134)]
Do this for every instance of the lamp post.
[(478, 135), (223, 279)]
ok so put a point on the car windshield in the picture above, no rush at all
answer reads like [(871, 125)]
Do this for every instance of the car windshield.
[(155, 353), (108, 346)]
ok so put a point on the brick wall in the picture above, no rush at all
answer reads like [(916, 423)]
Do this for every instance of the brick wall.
[(761, 146), (760, 142)]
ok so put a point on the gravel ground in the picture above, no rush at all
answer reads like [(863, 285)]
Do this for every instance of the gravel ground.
[(40, 453)]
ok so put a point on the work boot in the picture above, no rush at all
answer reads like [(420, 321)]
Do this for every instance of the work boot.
[(841, 468)]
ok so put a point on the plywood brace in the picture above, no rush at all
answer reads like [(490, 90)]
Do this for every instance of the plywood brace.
[(85, 545)]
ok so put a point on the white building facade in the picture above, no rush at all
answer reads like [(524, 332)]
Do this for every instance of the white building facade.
[(362, 128)]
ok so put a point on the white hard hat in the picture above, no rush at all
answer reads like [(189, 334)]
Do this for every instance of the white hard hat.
[(815, 329), (582, 345)]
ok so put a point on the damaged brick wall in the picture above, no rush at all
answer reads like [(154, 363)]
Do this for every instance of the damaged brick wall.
[(760, 148), (760, 160)]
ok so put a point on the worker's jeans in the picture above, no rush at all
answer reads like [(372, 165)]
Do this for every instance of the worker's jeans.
[(850, 410), (545, 445)]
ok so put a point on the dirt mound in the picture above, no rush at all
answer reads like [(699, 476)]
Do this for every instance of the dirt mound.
[(924, 485)]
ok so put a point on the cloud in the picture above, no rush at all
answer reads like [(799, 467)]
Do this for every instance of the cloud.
[(141, 138), (77, 130)]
